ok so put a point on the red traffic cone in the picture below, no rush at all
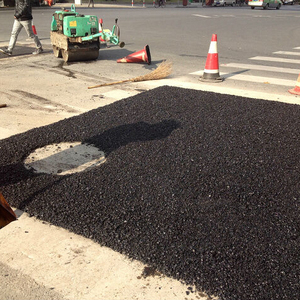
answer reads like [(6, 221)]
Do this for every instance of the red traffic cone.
[(211, 70), (140, 56), (34, 30), (101, 29), (296, 89), (6, 213), (100, 25)]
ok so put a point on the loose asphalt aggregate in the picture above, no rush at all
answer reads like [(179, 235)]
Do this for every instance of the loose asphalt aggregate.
[(203, 187)]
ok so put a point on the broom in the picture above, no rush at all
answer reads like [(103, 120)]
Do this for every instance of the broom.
[(162, 71)]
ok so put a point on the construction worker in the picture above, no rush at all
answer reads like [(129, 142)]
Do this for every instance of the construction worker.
[(91, 2), (23, 18)]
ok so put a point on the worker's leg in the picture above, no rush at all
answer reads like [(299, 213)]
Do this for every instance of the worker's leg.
[(28, 27), (14, 35)]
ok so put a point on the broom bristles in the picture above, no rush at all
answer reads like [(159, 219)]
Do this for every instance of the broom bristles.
[(162, 71)]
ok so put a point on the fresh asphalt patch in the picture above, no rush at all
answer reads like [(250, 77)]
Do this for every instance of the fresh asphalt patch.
[(203, 187)]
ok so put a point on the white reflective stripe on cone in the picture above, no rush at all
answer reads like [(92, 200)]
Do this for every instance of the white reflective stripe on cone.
[(211, 71), (213, 47)]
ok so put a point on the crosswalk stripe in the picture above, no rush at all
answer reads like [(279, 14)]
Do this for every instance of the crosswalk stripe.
[(237, 75), (262, 68), (202, 16), (287, 53), (257, 79), (276, 59)]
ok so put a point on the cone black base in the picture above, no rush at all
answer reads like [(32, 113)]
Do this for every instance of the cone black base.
[(217, 79)]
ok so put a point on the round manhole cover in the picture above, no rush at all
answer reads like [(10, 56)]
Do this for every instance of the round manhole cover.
[(64, 158)]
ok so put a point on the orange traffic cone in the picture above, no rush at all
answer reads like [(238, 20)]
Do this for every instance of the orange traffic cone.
[(211, 70), (140, 56), (100, 25), (6, 213), (101, 29), (296, 89)]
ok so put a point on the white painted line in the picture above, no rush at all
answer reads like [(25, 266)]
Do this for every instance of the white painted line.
[(257, 79), (287, 53), (201, 16), (262, 68), (260, 79), (197, 73), (260, 16), (277, 59), (297, 48)]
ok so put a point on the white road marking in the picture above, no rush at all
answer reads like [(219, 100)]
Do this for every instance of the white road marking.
[(287, 53), (202, 16), (260, 16), (276, 59), (262, 68), (257, 79)]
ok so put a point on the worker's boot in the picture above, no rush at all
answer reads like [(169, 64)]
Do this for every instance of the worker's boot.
[(6, 51), (38, 51)]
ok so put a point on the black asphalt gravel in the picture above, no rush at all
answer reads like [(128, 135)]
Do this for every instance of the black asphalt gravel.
[(203, 187)]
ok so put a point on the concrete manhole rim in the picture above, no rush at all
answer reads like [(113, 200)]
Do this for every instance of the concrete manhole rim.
[(64, 158)]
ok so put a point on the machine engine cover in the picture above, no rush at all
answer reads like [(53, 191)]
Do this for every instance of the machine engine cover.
[(58, 17), (80, 26)]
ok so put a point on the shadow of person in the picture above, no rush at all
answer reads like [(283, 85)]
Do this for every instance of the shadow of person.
[(13, 173), (119, 136), (107, 141)]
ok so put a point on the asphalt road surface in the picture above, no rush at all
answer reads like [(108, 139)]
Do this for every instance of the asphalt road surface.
[(257, 48), (204, 187)]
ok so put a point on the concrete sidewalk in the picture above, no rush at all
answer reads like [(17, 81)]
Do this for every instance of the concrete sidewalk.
[(42, 261)]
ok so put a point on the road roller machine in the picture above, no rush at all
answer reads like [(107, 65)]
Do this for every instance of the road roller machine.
[(76, 37), (68, 30)]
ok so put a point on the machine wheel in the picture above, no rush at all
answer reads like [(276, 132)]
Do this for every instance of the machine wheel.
[(57, 52), (78, 55), (278, 7), (93, 55), (252, 7)]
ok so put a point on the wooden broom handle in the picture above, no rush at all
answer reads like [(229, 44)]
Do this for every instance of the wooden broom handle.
[(110, 83)]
